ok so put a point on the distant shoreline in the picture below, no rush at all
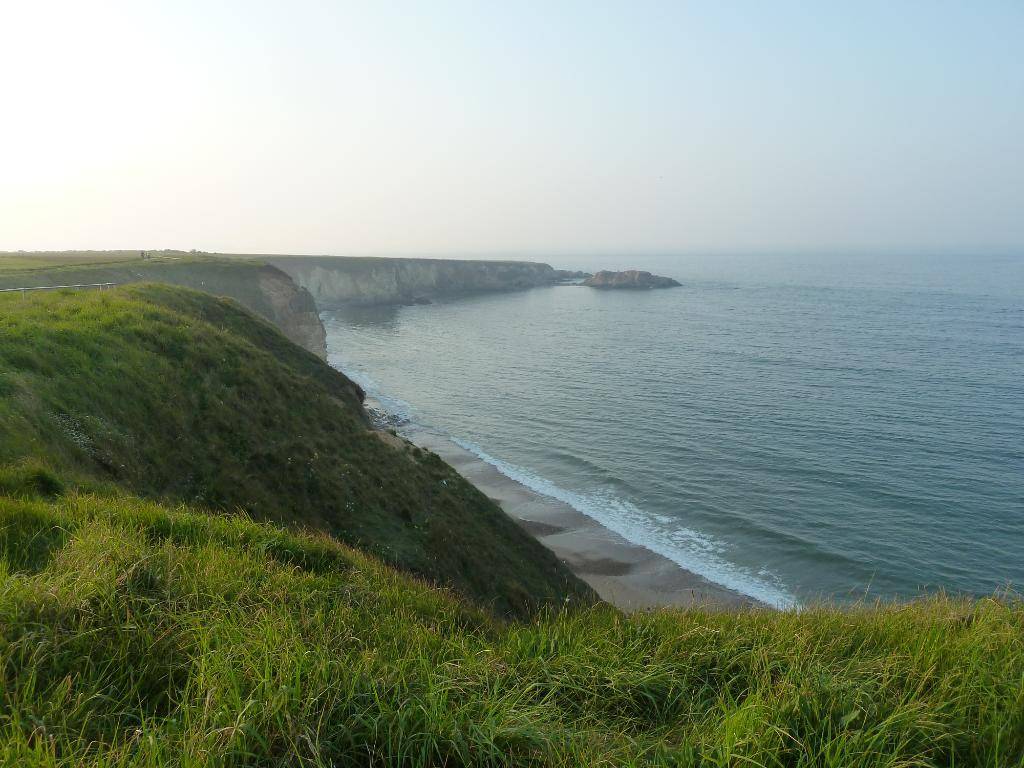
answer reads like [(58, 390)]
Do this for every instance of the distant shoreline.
[(625, 574)]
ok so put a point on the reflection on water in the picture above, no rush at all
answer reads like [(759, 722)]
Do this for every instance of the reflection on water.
[(387, 317), (382, 317)]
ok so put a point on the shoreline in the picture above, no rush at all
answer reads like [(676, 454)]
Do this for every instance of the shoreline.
[(624, 574)]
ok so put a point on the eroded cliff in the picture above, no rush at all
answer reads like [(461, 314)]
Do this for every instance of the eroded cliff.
[(334, 281)]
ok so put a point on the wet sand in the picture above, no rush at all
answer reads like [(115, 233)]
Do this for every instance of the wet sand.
[(625, 574)]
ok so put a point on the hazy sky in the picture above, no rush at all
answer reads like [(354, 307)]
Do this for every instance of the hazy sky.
[(512, 127)]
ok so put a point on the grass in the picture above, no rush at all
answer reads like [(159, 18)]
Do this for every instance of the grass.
[(75, 267), (31, 260), (146, 619), (20, 261), (132, 634), (259, 287), (14, 261), (178, 396), (238, 279)]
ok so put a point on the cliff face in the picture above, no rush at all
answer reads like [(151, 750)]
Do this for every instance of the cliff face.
[(293, 310), (338, 280), (260, 288)]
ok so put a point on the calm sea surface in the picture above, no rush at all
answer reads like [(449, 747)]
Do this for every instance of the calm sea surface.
[(791, 430)]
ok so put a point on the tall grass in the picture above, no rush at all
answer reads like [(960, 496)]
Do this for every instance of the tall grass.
[(133, 634)]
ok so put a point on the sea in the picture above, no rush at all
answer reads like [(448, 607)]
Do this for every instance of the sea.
[(795, 428)]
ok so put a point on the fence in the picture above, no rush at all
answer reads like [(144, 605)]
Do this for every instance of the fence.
[(24, 291)]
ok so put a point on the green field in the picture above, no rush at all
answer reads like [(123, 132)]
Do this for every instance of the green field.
[(207, 559), (20, 261), (55, 261)]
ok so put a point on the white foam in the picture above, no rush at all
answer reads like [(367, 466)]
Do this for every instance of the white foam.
[(694, 551), (689, 549)]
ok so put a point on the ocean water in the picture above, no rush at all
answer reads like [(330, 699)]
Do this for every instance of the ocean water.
[(792, 429)]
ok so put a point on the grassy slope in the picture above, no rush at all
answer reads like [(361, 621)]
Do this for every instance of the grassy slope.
[(238, 279), (131, 634), (176, 395)]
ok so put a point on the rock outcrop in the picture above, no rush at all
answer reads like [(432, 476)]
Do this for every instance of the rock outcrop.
[(566, 275), (631, 279), (334, 281)]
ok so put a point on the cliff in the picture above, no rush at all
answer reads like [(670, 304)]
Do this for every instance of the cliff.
[(175, 395), (345, 280), (289, 291), (259, 287), (290, 308), (629, 279)]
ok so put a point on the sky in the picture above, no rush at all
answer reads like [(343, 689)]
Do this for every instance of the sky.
[(500, 128)]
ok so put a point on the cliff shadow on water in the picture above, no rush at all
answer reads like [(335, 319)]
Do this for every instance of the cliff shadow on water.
[(381, 317)]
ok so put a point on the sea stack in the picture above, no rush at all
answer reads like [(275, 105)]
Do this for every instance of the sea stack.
[(629, 279)]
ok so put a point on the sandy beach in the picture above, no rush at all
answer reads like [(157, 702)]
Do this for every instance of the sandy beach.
[(625, 574)]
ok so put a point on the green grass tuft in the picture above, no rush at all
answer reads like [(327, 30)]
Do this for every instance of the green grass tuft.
[(132, 634), (29, 477)]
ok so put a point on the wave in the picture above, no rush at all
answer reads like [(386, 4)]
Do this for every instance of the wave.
[(689, 549)]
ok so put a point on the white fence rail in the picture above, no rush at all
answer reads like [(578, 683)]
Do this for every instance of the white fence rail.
[(98, 286)]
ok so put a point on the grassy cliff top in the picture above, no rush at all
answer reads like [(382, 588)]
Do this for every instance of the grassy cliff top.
[(132, 634), (189, 270), (56, 262), (175, 395)]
